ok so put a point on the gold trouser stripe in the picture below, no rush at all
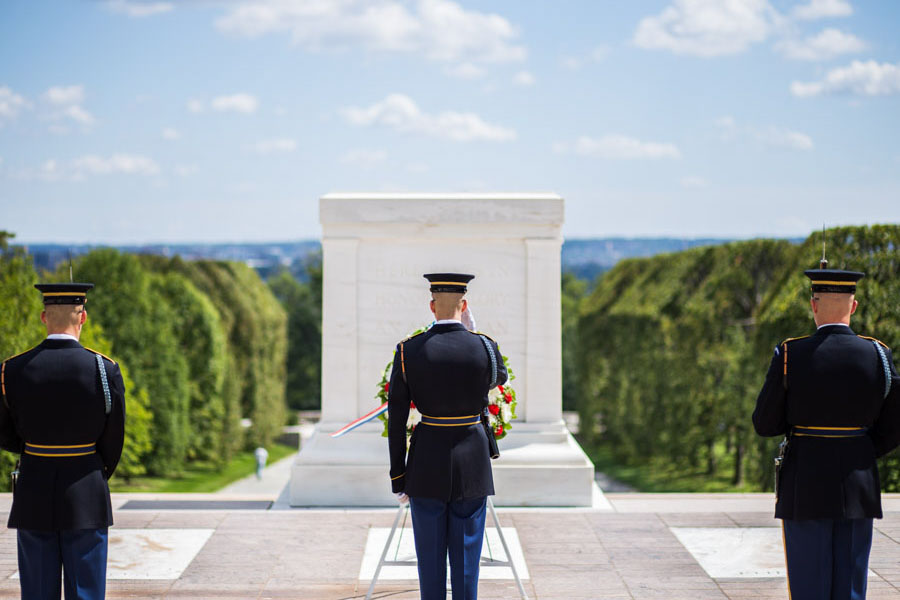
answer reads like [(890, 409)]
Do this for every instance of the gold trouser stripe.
[(787, 571), (398, 476), (3, 379), (834, 282)]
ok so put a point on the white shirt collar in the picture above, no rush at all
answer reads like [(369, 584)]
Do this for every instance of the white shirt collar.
[(61, 336), (830, 324), (447, 321)]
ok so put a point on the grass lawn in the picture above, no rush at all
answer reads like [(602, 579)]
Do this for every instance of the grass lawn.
[(201, 477), (659, 475)]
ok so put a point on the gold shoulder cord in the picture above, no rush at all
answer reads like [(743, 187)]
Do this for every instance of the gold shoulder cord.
[(3, 383), (402, 363), (784, 345)]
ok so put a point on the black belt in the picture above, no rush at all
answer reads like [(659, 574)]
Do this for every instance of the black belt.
[(60, 451), (830, 432), (451, 421)]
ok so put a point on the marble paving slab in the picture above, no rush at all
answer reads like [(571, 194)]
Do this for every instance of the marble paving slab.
[(146, 554), (736, 552), (405, 551)]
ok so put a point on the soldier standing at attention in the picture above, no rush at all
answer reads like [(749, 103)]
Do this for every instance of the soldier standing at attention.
[(835, 396), (63, 410), (447, 372)]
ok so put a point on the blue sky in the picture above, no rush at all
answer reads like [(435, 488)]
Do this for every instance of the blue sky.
[(136, 122)]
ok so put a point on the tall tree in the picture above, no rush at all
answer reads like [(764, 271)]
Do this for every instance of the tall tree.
[(303, 304), (140, 324)]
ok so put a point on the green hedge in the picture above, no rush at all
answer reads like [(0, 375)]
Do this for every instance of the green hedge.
[(201, 345), (672, 350)]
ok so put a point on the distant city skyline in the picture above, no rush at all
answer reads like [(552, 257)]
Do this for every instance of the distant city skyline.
[(129, 122)]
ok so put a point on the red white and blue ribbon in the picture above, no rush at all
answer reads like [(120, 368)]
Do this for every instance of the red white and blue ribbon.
[(360, 421)]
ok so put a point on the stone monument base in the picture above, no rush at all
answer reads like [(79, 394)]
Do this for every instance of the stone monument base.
[(540, 464)]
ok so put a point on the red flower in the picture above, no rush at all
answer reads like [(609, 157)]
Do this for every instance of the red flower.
[(499, 431), (494, 409), (508, 398), (387, 386), (502, 391), (412, 405)]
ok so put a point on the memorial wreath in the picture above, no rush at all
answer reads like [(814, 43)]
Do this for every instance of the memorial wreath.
[(501, 408)]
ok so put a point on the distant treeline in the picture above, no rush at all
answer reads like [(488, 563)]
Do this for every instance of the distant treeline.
[(586, 258), (202, 345), (665, 358)]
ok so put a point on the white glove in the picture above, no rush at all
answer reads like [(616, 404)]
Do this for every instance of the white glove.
[(468, 319), (402, 498)]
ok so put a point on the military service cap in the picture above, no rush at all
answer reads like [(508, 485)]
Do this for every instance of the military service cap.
[(834, 281), (64, 293), (449, 282)]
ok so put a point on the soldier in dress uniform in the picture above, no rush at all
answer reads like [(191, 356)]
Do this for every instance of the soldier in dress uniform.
[(63, 410), (447, 372), (835, 396)]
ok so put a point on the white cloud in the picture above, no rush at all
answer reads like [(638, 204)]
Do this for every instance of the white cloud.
[(364, 158), (599, 53), (76, 113), (65, 95), (50, 171), (11, 103), (820, 9), (770, 135), (278, 146), (861, 78), (186, 170), (828, 44), (524, 78), (573, 63), (467, 71), (67, 101), (784, 138), (400, 113), (170, 133), (139, 9), (439, 29), (707, 27), (244, 103), (195, 106), (694, 182), (617, 147), (130, 164)]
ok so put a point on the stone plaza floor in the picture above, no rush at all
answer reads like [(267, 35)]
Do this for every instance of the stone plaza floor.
[(690, 546)]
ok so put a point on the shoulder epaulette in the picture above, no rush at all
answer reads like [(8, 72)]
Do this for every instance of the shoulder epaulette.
[(865, 337), (484, 334), (785, 357), (3, 374), (19, 354), (101, 354), (406, 339)]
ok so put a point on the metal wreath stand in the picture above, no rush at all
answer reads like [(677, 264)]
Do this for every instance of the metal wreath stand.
[(403, 510)]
